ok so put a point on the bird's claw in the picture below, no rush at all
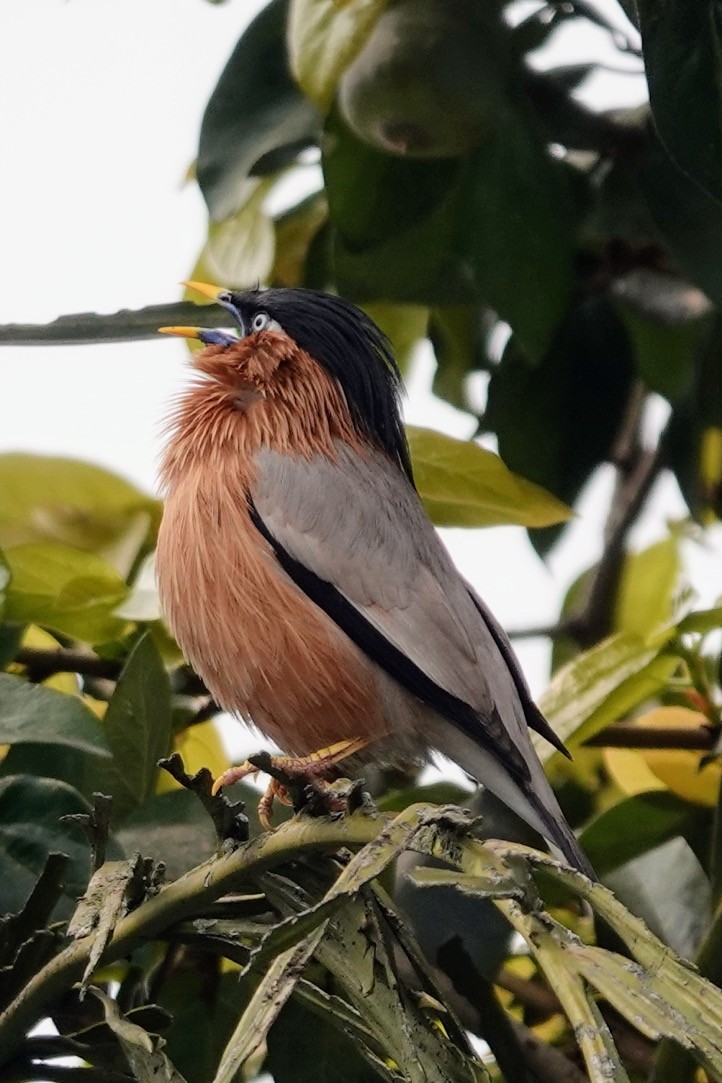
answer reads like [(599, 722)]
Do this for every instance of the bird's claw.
[(294, 774)]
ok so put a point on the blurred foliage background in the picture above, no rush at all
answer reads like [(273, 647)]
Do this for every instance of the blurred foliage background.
[(564, 263)]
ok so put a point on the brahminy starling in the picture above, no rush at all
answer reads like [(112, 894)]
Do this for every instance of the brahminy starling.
[(301, 575)]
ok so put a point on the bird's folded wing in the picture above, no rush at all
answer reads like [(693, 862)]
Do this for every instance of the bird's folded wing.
[(353, 535)]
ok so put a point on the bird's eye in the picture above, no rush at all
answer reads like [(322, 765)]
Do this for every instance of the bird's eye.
[(260, 321)]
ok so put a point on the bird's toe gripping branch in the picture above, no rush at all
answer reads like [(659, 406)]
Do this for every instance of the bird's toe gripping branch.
[(295, 779)]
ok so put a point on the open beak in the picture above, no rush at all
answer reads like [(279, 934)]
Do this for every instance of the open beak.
[(185, 332), (209, 336), (212, 292)]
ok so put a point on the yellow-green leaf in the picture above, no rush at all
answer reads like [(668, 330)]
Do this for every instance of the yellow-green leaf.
[(64, 589), (403, 325), (239, 250), (462, 484), (602, 684), (324, 36), (645, 598), (43, 498)]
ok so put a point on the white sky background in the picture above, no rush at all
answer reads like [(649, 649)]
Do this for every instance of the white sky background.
[(102, 103)]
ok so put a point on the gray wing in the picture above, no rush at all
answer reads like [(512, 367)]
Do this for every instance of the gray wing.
[(353, 534)]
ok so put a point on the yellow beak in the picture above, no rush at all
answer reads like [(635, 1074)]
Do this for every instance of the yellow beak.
[(211, 292), (186, 332)]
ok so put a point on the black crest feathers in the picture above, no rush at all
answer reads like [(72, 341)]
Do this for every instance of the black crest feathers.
[(351, 348)]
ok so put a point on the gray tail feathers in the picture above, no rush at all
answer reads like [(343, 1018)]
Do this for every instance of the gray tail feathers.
[(560, 835)]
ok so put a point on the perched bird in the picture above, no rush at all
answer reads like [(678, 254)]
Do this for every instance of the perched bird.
[(300, 574)]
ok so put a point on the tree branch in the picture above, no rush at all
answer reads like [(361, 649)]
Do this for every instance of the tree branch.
[(127, 325), (179, 900)]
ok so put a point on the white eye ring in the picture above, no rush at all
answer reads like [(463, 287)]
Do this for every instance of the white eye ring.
[(260, 321)]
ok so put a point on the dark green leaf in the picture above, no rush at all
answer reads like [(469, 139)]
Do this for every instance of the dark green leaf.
[(686, 215), (667, 888), (304, 1047), (373, 197), (693, 436), (10, 639), (172, 827), (558, 420), (144, 1053), (32, 713), (205, 1005), (458, 335), (516, 232), (682, 44), (65, 589), (138, 728), (30, 829), (257, 120), (640, 824)]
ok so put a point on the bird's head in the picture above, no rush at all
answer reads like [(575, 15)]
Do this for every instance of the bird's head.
[(273, 324)]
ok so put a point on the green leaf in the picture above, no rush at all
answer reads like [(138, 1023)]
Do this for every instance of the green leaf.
[(682, 45), (296, 231), (257, 120), (239, 250), (602, 684), (558, 420), (645, 596), (640, 824), (664, 354), (393, 223), (138, 727), (374, 198), (702, 621), (687, 216), (33, 713), (64, 589), (404, 326), (304, 1047), (515, 232), (143, 1051), (205, 1005), (462, 484), (323, 39), (63, 500), (11, 636), (172, 827), (458, 335), (276, 986), (30, 829), (668, 889)]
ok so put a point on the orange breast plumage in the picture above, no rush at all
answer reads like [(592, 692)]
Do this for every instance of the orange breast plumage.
[(265, 651)]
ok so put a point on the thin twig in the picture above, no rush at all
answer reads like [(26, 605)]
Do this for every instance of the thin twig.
[(620, 735), (43, 663), (637, 470)]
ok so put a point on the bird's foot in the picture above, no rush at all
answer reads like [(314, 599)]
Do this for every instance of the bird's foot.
[(295, 780)]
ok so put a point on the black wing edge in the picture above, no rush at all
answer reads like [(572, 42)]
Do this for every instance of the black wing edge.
[(490, 733), (534, 718)]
